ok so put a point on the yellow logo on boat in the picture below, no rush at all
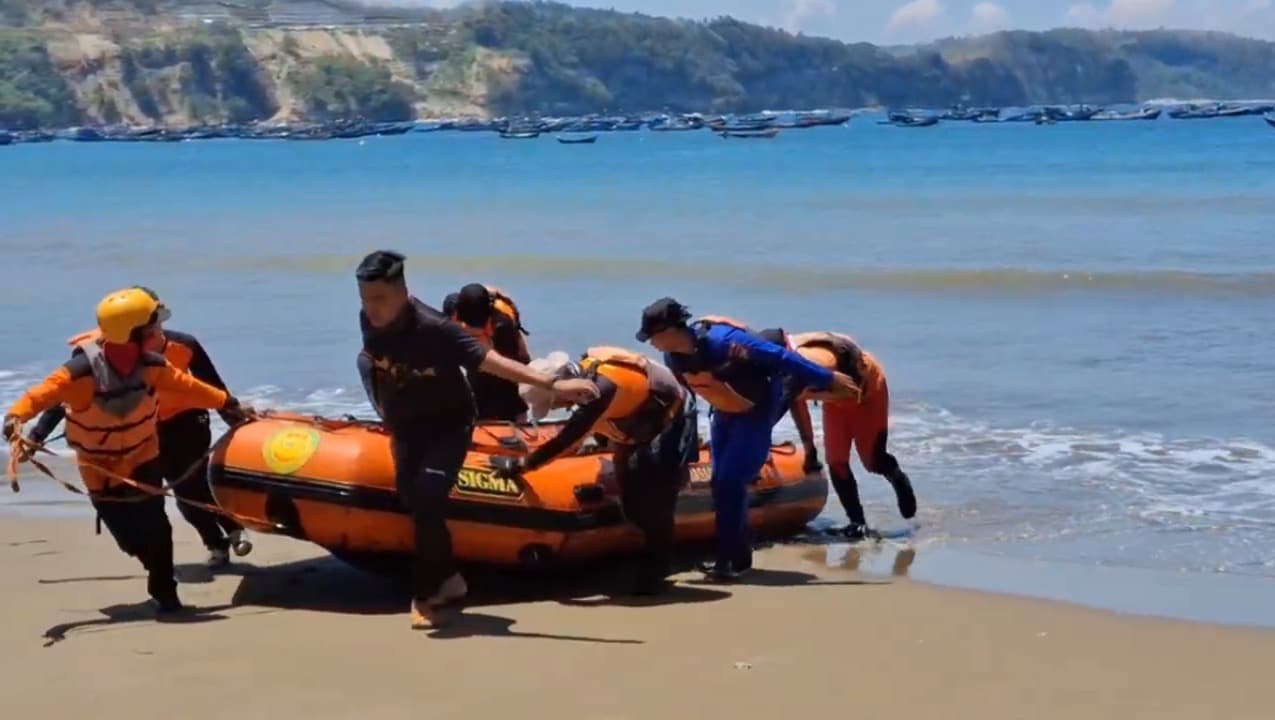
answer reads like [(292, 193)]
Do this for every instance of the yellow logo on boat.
[(289, 449), (474, 481)]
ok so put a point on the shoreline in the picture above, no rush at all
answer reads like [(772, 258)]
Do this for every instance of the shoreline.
[(1223, 599), (533, 126), (289, 631)]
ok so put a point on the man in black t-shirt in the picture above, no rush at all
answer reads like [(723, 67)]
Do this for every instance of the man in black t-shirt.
[(411, 366)]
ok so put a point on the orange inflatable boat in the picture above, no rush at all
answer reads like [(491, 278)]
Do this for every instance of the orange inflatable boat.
[(331, 482)]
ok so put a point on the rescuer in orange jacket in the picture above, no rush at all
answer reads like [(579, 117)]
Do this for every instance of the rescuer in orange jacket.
[(643, 411), (861, 421), (184, 440), (492, 317), (110, 388)]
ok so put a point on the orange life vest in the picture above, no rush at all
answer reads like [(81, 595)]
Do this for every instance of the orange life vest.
[(500, 304), (706, 384), (647, 395), (503, 304), (117, 428), (177, 354)]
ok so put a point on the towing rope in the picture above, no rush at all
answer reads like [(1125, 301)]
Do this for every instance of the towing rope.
[(22, 450)]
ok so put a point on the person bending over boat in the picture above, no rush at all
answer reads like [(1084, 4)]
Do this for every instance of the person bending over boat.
[(110, 388), (411, 367), (860, 420), (184, 439), (492, 317), (741, 376), (642, 409)]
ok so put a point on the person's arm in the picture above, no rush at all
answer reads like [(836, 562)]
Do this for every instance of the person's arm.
[(367, 375), (801, 418), (737, 343), (48, 421), (52, 390), (463, 349), (576, 390), (187, 390), (576, 428)]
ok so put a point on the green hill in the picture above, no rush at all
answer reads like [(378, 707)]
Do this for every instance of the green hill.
[(183, 61)]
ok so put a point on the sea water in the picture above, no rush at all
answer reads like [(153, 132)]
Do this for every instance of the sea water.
[(1077, 320)]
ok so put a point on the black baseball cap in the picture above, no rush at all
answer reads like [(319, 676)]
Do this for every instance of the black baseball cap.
[(661, 315)]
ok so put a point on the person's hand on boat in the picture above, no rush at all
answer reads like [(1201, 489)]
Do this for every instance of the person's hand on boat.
[(576, 390), (506, 468), (234, 413), (812, 464)]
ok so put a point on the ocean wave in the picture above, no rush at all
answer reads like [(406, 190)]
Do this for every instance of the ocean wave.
[(988, 280), (1151, 477)]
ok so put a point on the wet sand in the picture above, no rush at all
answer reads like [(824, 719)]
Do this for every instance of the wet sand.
[(288, 632)]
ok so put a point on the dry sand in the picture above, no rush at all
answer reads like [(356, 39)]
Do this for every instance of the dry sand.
[(295, 634)]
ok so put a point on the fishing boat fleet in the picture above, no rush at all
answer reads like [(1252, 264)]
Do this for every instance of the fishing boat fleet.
[(585, 130)]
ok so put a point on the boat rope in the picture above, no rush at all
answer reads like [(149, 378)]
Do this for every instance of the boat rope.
[(22, 450)]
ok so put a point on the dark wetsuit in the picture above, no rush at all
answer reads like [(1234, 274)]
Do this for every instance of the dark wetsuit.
[(184, 440), (413, 373)]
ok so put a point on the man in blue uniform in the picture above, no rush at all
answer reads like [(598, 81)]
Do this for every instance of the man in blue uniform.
[(741, 376)]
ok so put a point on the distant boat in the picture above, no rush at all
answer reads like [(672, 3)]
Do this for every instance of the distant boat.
[(1150, 113), (588, 140), (520, 135), (904, 118), (673, 126), (767, 133), (926, 121)]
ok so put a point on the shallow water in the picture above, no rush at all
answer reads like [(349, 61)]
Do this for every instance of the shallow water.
[(1075, 318)]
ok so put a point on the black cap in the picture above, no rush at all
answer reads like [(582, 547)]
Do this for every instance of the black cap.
[(381, 266), (473, 305), (661, 315)]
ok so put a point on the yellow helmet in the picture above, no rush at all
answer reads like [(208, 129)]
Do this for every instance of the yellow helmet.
[(124, 311)]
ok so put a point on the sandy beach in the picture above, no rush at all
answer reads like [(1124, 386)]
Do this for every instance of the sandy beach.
[(289, 632)]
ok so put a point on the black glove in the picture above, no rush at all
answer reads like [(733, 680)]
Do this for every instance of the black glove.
[(232, 413), (505, 467), (812, 464), (11, 427)]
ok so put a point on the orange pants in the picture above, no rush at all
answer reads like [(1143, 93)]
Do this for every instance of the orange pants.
[(864, 425)]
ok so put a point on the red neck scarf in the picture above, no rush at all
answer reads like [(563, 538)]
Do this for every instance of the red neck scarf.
[(122, 358)]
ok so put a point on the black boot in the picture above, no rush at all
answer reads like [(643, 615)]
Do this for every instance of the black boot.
[(163, 591), (903, 492), (847, 490)]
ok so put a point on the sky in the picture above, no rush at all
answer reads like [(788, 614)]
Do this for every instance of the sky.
[(910, 21)]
